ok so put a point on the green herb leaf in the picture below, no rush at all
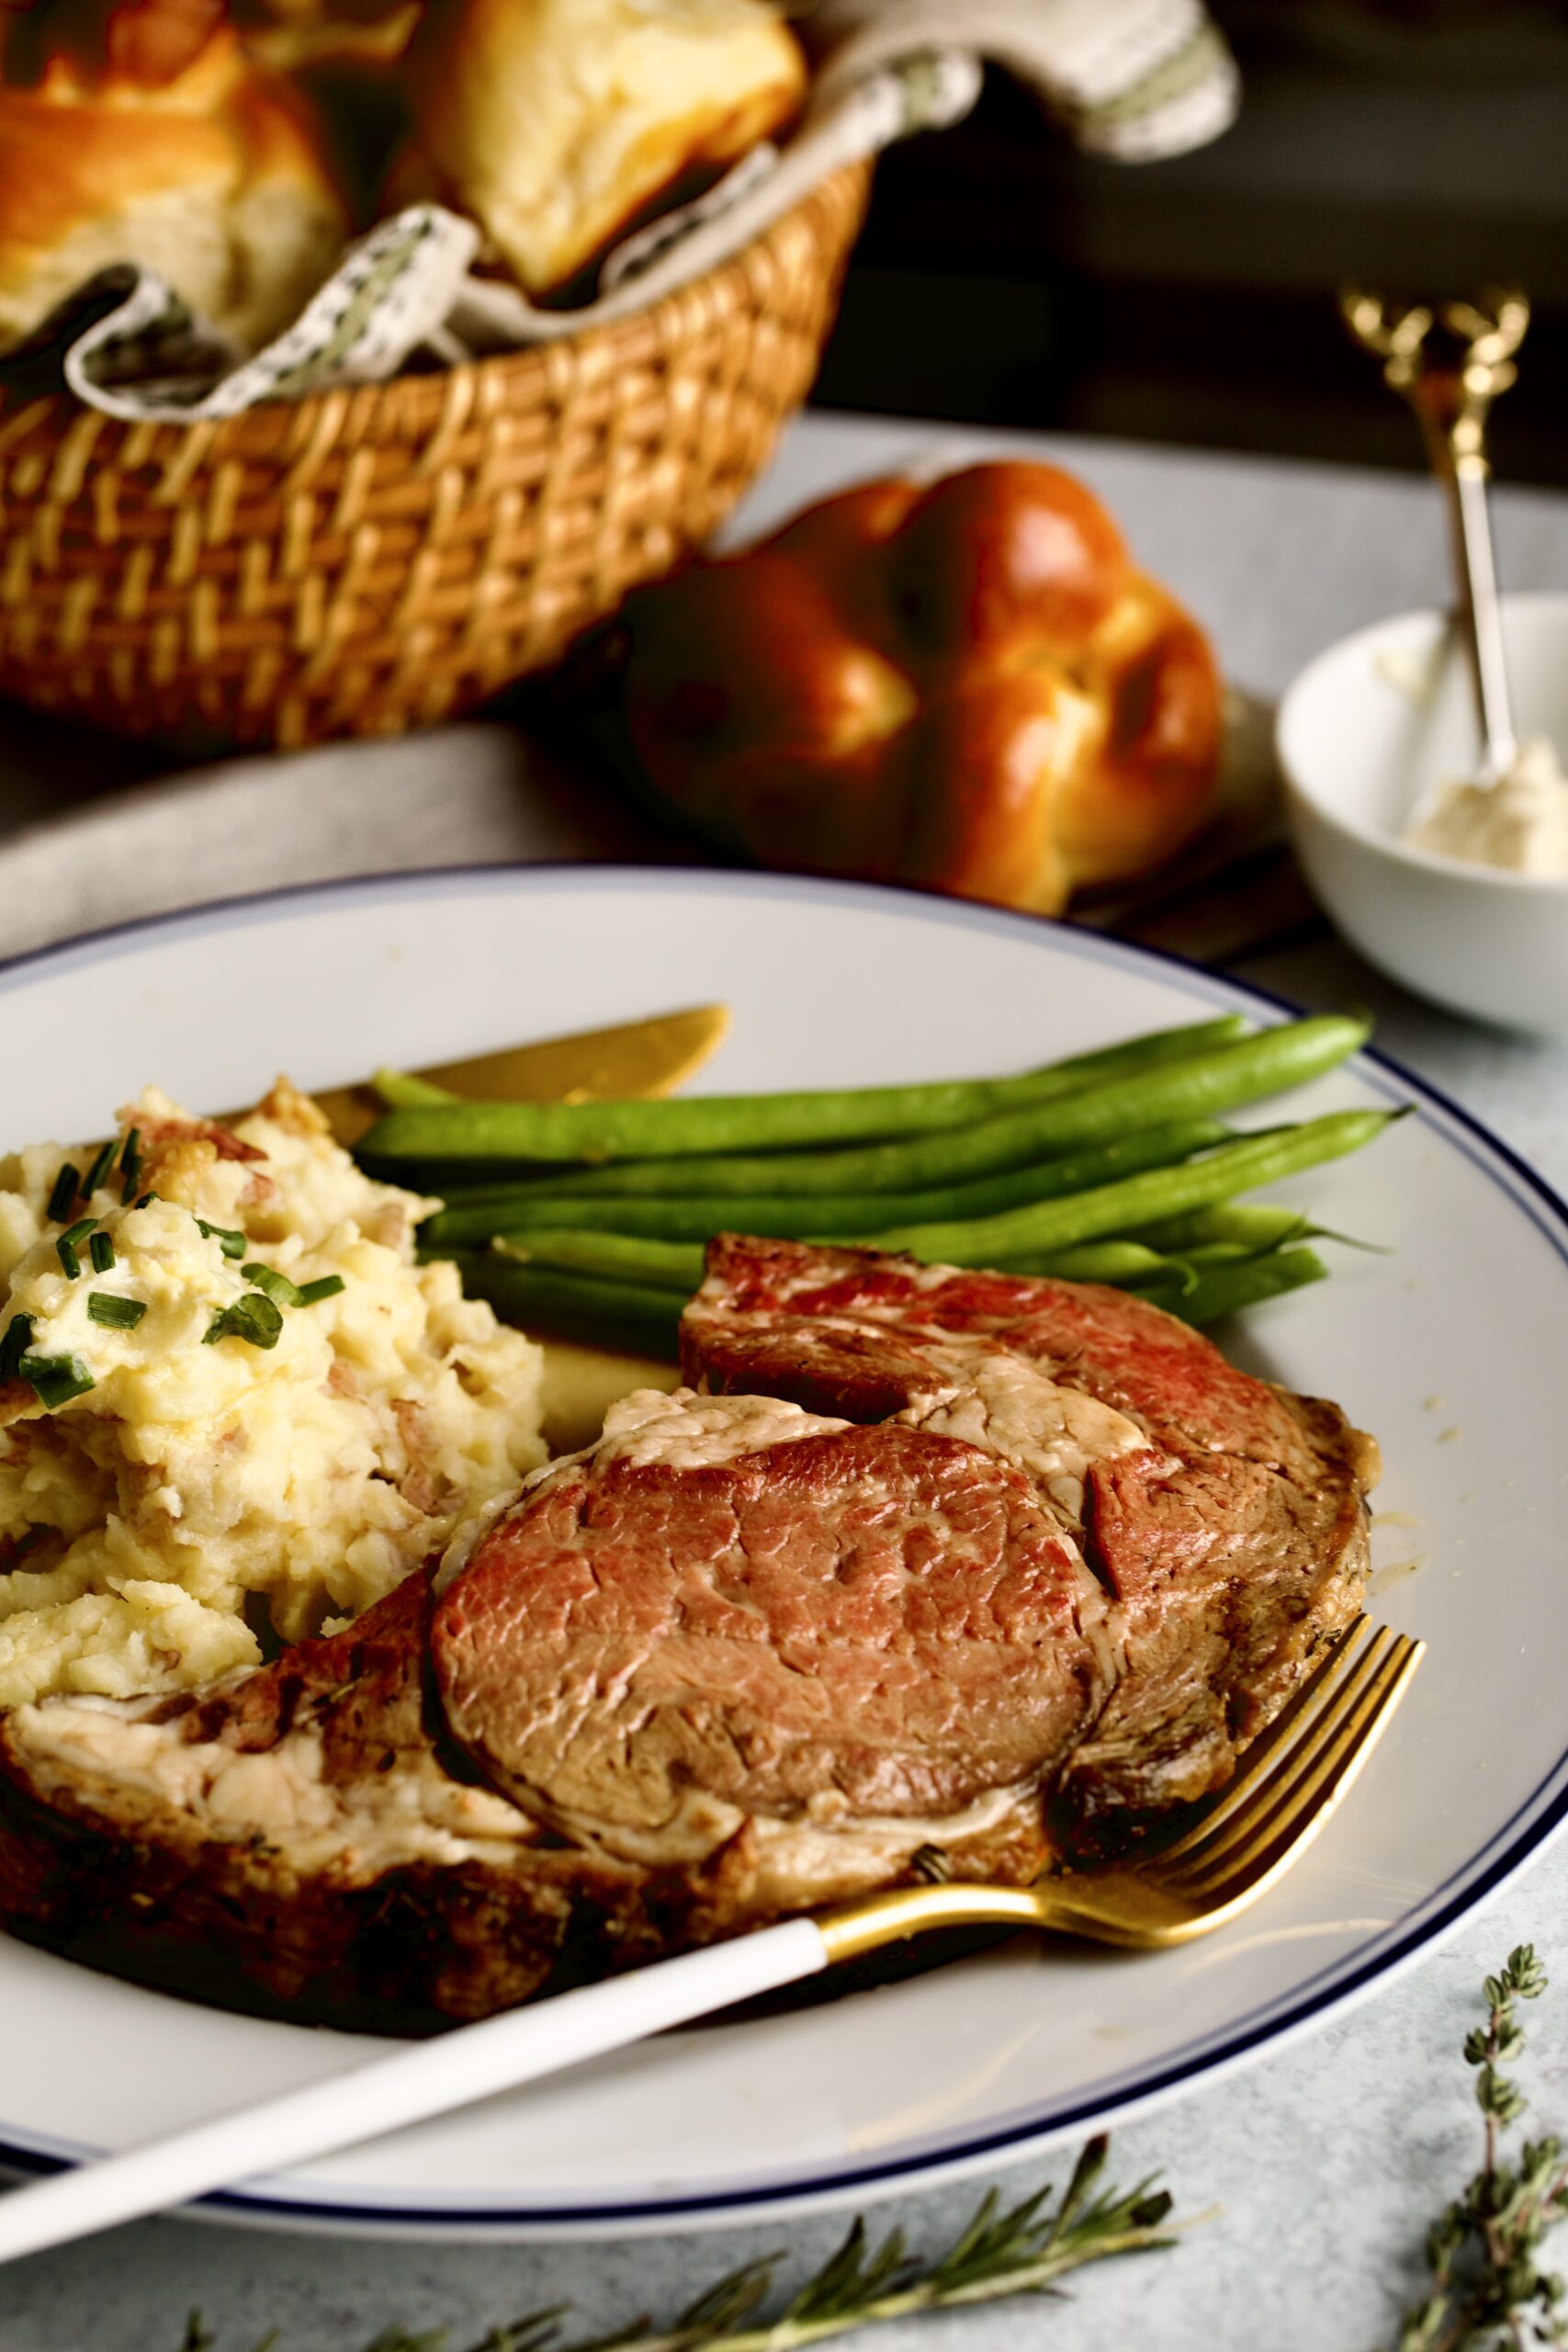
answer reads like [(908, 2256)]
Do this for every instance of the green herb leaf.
[(66, 1247), (1487, 2286), (252, 1318), (232, 1244), (67, 1185), (324, 1286), (1022, 2250), (117, 1314), (13, 1346), (1525, 1973), (100, 1248), (131, 1164), (99, 1169), (278, 1287), (56, 1379)]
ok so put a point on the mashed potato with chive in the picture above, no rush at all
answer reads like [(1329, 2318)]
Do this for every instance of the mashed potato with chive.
[(230, 1403)]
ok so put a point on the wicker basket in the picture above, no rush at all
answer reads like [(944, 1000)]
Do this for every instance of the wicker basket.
[(369, 561)]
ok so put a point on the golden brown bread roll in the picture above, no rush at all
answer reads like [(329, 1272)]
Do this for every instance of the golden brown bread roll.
[(151, 136), (558, 123), (969, 687)]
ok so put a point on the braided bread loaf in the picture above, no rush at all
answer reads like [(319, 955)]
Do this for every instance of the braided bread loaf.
[(969, 686)]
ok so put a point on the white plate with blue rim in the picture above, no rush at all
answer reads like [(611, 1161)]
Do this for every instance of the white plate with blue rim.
[(1457, 1359)]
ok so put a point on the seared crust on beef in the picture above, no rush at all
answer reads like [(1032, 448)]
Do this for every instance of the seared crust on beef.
[(177, 1841)]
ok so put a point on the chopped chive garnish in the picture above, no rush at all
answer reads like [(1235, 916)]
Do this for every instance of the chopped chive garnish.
[(233, 1245), (13, 1346), (253, 1318), (278, 1287), (98, 1170), (130, 1162), (117, 1314), (56, 1379), (148, 1196), (325, 1286), (67, 1185), (100, 1248), (66, 1245)]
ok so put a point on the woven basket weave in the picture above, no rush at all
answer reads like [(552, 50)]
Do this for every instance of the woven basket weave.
[(369, 560)]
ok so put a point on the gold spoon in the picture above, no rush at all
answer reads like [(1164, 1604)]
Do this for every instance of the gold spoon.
[(1450, 361)]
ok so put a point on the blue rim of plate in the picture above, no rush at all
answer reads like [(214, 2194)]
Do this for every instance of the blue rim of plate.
[(1533, 1822)]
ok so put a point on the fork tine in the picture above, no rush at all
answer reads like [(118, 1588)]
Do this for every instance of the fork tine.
[(1319, 1792), (1266, 1781), (1262, 1755), (1348, 1737), (1300, 1770)]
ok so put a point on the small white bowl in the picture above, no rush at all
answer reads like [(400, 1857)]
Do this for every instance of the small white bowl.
[(1363, 733)]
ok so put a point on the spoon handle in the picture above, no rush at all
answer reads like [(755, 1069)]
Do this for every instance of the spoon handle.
[(1465, 481), (1451, 361)]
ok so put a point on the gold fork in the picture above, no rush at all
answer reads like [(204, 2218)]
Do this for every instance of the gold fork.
[(1232, 1848), (1290, 1781)]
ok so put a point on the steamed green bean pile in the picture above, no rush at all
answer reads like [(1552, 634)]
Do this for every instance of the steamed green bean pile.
[(1112, 1167)]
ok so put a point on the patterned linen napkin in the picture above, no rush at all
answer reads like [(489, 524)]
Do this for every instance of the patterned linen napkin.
[(1135, 80)]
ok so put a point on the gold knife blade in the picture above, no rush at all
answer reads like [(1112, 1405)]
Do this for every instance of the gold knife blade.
[(648, 1057)]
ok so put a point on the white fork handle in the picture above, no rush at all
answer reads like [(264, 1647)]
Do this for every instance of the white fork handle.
[(427, 2079)]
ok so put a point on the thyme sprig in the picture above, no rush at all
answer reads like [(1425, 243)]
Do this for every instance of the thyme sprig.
[(1022, 2249), (1489, 2293)]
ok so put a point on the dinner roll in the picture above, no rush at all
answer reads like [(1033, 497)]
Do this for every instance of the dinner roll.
[(556, 123), (181, 155), (967, 685)]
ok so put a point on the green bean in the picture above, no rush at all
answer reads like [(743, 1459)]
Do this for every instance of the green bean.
[(646, 1318), (639, 1316), (476, 1216), (1243, 1229), (401, 1091), (1137, 1201), (1252, 1226), (659, 1220), (1119, 1264), (666, 1265), (919, 1163), (1225, 1290), (477, 1135), (678, 1265)]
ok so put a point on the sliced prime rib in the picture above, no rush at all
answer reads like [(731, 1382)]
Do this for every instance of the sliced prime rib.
[(937, 1561), (295, 1839), (1232, 1528), (733, 1615), (733, 1662)]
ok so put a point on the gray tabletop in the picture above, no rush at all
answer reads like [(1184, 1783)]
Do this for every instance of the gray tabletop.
[(1326, 2158)]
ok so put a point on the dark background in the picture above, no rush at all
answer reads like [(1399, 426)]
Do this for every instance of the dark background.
[(1419, 146)]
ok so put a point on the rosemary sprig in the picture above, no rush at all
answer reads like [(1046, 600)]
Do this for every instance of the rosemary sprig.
[(1019, 2250), (1489, 2293)]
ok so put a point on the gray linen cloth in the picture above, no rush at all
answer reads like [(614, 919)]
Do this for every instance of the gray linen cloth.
[(476, 794)]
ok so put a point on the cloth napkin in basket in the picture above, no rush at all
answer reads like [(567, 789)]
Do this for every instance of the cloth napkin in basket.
[(1133, 80)]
